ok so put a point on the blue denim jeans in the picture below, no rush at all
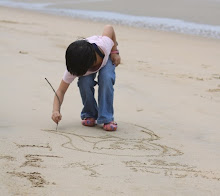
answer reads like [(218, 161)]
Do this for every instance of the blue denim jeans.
[(103, 112)]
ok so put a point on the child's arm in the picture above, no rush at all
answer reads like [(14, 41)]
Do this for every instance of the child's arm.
[(56, 116), (109, 32)]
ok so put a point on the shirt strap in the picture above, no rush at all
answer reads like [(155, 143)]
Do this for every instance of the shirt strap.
[(98, 51)]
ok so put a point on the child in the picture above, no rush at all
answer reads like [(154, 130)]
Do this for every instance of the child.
[(84, 58)]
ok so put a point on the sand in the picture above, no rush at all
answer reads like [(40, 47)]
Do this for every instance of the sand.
[(167, 105)]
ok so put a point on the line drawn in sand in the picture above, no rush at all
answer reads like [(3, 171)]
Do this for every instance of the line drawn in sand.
[(47, 146), (175, 170), (140, 144), (87, 167), (35, 178), (35, 160), (7, 157)]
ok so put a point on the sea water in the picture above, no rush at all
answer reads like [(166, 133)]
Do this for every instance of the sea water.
[(157, 23)]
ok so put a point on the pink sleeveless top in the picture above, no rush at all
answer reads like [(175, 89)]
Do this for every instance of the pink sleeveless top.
[(105, 43)]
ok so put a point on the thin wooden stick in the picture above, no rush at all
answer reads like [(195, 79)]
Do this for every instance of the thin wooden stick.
[(56, 95)]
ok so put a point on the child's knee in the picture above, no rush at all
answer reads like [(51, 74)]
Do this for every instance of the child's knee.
[(86, 82), (107, 79)]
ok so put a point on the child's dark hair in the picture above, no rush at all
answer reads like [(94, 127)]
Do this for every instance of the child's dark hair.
[(80, 56)]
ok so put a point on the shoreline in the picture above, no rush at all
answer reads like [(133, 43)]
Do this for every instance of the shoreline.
[(170, 9), (178, 24), (86, 21)]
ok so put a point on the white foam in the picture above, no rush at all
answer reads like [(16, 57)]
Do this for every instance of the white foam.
[(164, 24)]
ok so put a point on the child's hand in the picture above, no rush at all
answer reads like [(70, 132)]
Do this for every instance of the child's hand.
[(56, 116), (116, 59)]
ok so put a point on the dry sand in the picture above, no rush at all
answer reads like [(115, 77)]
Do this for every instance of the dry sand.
[(167, 105)]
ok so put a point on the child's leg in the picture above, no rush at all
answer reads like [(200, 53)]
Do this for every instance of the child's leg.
[(106, 81), (86, 86)]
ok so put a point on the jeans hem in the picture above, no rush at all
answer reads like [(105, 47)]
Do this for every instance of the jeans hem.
[(83, 117), (105, 121)]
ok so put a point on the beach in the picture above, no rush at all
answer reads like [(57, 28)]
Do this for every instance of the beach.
[(199, 11), (167, 106), (197, 17)]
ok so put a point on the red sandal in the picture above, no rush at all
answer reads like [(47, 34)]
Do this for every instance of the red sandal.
[(111, 126), (90, 122)]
